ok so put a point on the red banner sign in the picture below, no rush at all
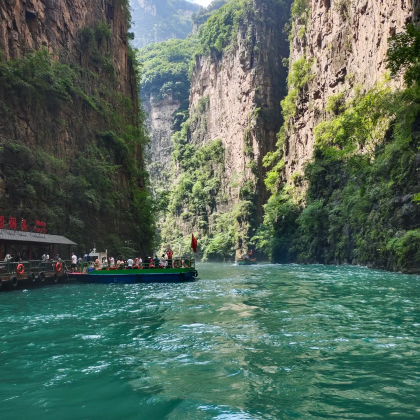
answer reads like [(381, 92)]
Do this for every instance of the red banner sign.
[(40, 227)]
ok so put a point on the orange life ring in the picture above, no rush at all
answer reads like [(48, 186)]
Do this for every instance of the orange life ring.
[(58, 267), (186, 265), (151, 265), (20, 269), (177, 264)]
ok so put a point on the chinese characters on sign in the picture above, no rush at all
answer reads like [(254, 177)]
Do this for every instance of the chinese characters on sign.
[(40, 227), (23, 225), (12, 223)]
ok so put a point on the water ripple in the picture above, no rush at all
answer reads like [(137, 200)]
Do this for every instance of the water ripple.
[(260, 342)]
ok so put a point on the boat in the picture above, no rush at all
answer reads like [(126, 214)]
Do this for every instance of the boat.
[(178, 270), (246, 259), (242, 261)]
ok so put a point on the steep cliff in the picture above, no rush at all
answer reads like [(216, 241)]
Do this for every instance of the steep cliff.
[(236, 87), (165, 89), (69, 121), (345, 42), (344, 179)]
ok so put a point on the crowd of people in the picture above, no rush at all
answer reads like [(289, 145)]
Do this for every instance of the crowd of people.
[(18, 257), (13, 257), (79, 264)]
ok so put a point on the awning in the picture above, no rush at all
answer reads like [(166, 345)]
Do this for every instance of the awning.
[(44, 238)]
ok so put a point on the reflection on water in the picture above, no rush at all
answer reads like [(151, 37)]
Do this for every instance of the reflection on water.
[(257, 342)]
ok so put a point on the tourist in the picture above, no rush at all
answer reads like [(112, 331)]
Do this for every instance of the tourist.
[(139, 262), (111, 261), (163, 261), (8, 258), (156, 261), (79, 264), (169, 253), (57, 257), (130, 263), (47, 257), (73, 262)]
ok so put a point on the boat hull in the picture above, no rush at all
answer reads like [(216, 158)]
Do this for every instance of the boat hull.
[(246, 263), (134, 276)]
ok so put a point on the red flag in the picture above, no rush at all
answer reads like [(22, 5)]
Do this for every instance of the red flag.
[(194, 243)]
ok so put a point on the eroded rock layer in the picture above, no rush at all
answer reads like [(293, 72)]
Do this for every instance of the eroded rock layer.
[(347, 42), (60, 26)]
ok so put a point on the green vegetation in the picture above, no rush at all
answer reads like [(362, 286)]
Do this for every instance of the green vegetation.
[(221, 28), (201, 199), (205, 12), (165, 70), (297, 80), (90, 187), (195, 199), (299, 76), (404, 54), (361, 201)]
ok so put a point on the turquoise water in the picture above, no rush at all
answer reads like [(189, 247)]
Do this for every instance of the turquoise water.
[(258, 342)]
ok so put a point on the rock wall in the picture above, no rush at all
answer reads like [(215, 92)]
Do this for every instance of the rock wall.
[(57, 25), (236, 97), (347, 41), (160, 121), (69, 123)]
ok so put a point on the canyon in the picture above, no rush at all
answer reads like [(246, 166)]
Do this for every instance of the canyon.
[(244, 171), (235, 96)]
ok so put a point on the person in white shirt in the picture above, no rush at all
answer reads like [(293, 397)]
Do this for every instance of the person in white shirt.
[(7, 258), (112, 262), (47, 257), (130, 263), (73, 262)]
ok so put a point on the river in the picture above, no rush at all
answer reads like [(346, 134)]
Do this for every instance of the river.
[(258, 342)]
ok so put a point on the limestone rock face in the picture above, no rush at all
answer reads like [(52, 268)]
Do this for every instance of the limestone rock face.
[(27, 25), (160, 121), (235, 97), (72, 109), (347, 41)]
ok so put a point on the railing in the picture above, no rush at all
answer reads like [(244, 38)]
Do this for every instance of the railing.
[(33, 266)]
